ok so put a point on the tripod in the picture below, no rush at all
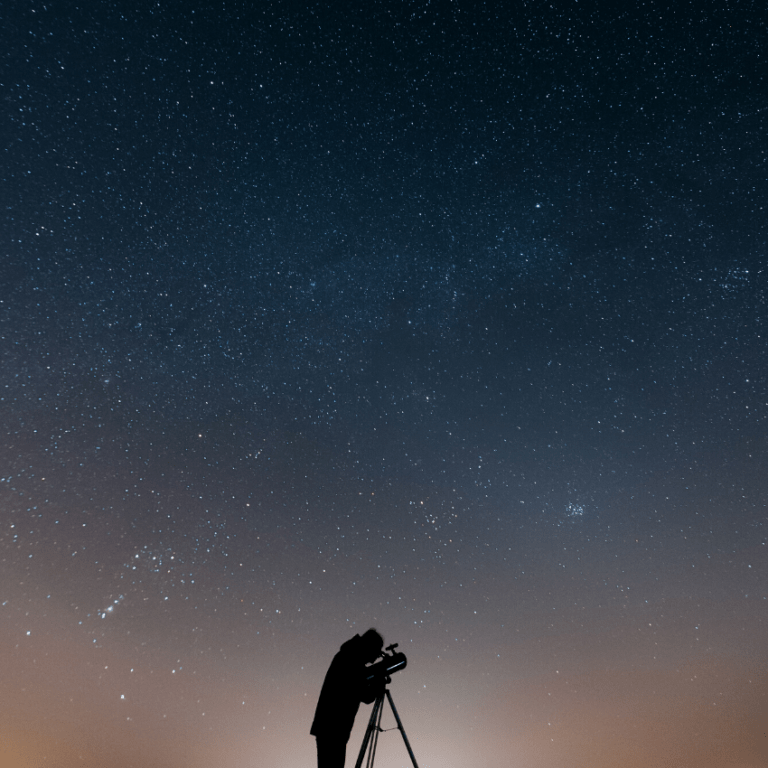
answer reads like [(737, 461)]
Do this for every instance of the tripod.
[(374, 729)]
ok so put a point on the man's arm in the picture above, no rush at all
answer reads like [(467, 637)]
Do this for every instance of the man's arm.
[(372, 689)]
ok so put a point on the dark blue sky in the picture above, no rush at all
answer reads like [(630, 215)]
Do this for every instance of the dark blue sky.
[(444, 317)]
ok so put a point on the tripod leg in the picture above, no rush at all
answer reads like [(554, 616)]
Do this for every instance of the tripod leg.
[(375, 737), (400, 726), (372, 725)]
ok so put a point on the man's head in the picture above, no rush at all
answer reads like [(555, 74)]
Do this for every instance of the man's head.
[(373, 642)]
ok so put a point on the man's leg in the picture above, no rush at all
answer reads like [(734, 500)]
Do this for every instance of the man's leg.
[(330, 753)]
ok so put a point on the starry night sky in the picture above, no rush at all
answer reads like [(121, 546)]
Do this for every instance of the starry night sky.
[(446, 318)]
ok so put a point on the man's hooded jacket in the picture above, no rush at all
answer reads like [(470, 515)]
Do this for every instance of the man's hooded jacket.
[(343, 689)]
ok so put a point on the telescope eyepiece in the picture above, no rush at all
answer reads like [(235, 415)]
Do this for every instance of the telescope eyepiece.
[(390, 663)]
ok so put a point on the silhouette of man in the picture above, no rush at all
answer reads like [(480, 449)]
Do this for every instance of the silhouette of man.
[(343, 689)]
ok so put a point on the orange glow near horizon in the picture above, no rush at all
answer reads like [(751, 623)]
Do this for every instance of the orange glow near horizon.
[(79, 706)]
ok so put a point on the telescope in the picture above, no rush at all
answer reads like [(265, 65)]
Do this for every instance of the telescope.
[(378, 674), (392, 661)]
